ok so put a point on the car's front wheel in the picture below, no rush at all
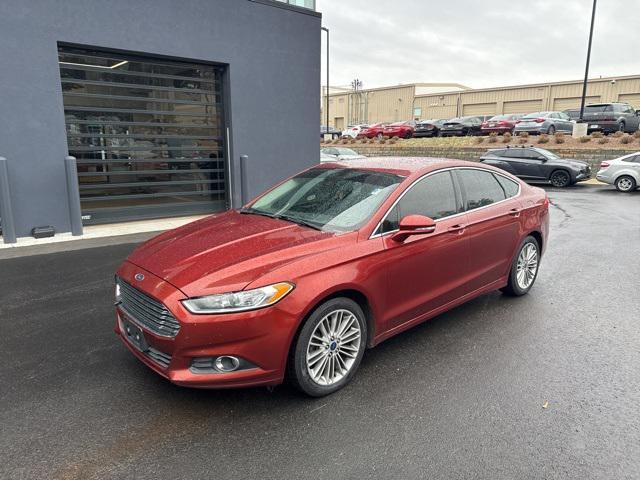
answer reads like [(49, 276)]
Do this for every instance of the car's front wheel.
[(560, 179), (329, 348), (625, 184), (524, 269)]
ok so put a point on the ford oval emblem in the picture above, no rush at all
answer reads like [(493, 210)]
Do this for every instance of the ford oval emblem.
[(139, 277)]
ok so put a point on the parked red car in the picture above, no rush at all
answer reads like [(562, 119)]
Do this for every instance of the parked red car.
[(373, 131), (330, 262), (400, 129), (500, 124)]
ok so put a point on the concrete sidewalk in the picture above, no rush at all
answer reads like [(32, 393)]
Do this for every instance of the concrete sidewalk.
[(94, 236)]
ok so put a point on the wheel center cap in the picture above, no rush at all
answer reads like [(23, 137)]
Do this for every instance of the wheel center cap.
[(333, 345)]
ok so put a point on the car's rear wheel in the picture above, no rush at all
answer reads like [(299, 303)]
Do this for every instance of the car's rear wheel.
[(552, 130), (379, 136), (560, 179), (524, 268), (408, 135), (625, 184), (329, 348), (621, 127)]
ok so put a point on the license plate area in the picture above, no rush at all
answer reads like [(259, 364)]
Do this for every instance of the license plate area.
[(134, 335)]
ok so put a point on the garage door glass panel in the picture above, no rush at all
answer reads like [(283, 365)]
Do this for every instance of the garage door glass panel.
[(148, 134)]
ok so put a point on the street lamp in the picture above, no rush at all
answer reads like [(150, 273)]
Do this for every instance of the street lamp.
[(586, 71), (326, 99)]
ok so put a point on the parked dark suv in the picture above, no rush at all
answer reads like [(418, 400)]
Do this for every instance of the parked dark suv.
[(611, 117), (538, 165)]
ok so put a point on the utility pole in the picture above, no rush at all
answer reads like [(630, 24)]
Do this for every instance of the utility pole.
[(586, 71), (356, 85)]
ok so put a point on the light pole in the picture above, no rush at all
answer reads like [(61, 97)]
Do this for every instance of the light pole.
[(586, 71), (326, 99)]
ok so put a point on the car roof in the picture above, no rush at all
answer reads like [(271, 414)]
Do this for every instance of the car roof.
[(403, 166)]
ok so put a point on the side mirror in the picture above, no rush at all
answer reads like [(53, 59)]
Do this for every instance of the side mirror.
[(414, 225), (542, 159)]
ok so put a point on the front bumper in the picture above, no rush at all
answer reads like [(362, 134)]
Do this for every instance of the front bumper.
[(425, 133), (534, 130), (261, 337), (452, 133)]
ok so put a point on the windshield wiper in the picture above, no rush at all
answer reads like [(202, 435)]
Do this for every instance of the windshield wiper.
[(297, 221), (286, 218)]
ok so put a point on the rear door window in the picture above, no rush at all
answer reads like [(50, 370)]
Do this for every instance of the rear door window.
[(481, 188), (510, 187)]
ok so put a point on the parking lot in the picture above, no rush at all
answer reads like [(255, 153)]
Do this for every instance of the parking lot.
[(543, 386)]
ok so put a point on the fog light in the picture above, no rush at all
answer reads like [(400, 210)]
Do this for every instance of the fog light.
[(227, 363)]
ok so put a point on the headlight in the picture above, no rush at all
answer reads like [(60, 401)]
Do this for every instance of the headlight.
[(118, 297), (239, 301)]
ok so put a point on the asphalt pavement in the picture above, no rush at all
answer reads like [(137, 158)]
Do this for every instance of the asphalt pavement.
[(546, 386)]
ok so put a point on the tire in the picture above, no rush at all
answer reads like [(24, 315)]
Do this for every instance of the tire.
[(552, 130), (622, 127), (625, 184), (408, 135), (560, 178), (520, 282), (335, 358), (379, 136)]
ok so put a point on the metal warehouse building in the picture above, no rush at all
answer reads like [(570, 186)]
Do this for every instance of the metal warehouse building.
[(156, 100), (405, 102)]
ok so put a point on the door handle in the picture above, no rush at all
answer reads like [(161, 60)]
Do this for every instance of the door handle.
[(459, 229), (515, 212)]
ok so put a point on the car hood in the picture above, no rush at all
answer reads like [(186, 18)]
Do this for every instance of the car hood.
[(226, 252), (577, 164)]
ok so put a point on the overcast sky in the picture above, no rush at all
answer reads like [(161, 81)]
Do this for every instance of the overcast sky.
[(478, 43)]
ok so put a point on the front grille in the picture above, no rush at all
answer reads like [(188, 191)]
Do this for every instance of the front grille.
[(147, 311)]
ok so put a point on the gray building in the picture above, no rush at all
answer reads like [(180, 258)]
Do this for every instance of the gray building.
[(157, 100)]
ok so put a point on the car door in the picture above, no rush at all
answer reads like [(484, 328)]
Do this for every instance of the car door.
[(565, 121), (525, 164), (492, 205), (425, 272)]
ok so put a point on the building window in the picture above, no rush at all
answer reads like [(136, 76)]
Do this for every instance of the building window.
[(148, 134)]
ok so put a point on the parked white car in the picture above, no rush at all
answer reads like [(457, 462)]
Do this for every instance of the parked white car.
[(353, 131), (623, 172), (334, 154)]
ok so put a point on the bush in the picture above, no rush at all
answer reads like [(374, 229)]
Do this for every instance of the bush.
[(506, 138), (395, 137), (393, 140), (618, 134), (345, 141), (383, 140), (493, 138), (523, 135), (544, 138), (371, 140), (481, 139), (523, 139), (559, 137), (625, 139), (597, 134), (637, 134), (352, 141), (585, 139), (602, 140)]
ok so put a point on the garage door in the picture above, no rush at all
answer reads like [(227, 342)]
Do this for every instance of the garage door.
[(147, 135), (632, 98), (479, 109), (561, 104), (523, 106)]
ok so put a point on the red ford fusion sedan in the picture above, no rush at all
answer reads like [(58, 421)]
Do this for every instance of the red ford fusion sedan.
[(301, 281)]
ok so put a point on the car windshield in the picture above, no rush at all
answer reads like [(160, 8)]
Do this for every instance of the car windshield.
[(598, 108), (500, 117), (397, 124), (346, 151), (336, 199)]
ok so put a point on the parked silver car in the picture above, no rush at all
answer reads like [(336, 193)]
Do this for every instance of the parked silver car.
[(334, 154), (544, 122), (623, 172)]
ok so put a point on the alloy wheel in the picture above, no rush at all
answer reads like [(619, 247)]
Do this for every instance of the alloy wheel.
[(624, 184), (560, 179), (527, 266), (333, 347)]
